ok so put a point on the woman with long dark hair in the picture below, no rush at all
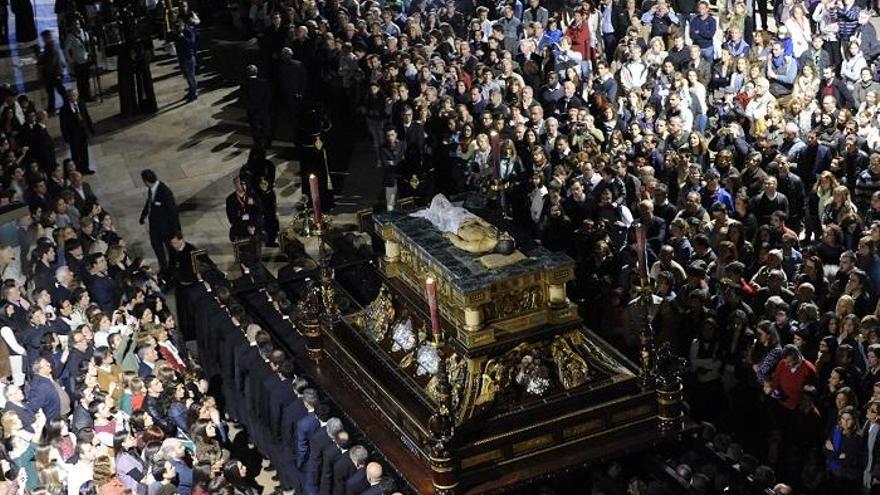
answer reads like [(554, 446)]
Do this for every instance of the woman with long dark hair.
[(235, 474), (130, 468)]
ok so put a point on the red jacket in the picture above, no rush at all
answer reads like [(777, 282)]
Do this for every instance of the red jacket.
[(792, 384), (581, 40)]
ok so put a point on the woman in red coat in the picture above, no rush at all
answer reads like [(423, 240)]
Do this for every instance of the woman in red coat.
[(578, 33)]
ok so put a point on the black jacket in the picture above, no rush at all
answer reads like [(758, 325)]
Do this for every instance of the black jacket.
[(343, 469), (329, 456), (75, 126), (161, 209), (153, 407)]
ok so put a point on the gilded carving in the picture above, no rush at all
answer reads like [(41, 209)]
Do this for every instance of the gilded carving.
[(571, 368), (494, 379), (377, 316), (514, 303)]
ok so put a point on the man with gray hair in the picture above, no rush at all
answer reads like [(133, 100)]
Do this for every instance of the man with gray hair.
[(319, 440), (173, 451), (60, 290), (792, 145)]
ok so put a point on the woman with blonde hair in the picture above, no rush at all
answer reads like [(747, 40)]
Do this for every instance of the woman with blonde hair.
[(844, 307), (656, 52), (52, 478), (840, 206)]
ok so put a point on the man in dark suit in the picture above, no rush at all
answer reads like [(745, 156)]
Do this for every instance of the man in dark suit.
[(307, 426), (345, 467), (41, 147), (102, 288), (332, 453), (294, 84), (76, 125), (319, 440), (569, 100), (31, 336), (813, 160), (357, 482), (82, 191), (255, 92), (186, 278), (285, 452), (161, 209), (413, 136), (374, 478), (244, 212), (147, 359), (42, 394), (15, 402), (259, 173)]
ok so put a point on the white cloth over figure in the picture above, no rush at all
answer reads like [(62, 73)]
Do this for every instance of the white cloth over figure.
[(444, 215)]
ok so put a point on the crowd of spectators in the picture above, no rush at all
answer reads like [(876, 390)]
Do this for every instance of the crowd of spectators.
[(99, 392), (745, 139), (743, 135)]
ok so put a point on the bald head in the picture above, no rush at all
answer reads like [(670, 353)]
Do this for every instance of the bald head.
[(374, 472)]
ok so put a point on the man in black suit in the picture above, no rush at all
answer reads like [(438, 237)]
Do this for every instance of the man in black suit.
[(255, 92), (244, 212), (161, 209), (41, 147), (357, 482), (374, 478), (76, 125), (259, 173), (288, 474), (413, 136), (186, 278), (569, 100), (332, 453), (82, 191), (345, 467), (318, 441)]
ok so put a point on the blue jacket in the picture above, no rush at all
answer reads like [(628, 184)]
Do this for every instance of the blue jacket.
[(104, 292), (304, 429), (703, 30), (185, 44), (43, 395), (184, 477)]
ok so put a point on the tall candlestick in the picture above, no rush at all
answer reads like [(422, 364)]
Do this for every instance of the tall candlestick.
[(316, 198), (431, 289)]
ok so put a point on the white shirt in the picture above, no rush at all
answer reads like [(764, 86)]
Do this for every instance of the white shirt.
[(153, 189), (78, 477)]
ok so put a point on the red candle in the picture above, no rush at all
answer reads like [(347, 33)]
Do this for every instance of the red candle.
[(431, 289), (316, 197)]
